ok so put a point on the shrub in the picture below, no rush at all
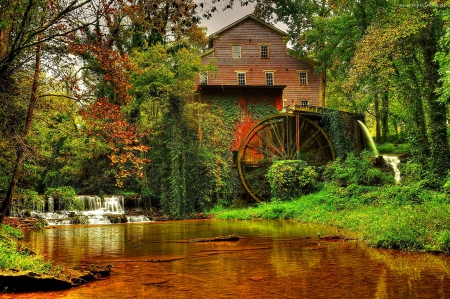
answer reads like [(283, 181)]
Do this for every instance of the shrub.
[(354, 170), (66, 197), (391, 148), (443, 240), (290, 179), (27, 201)]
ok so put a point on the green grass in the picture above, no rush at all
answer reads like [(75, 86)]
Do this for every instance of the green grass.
[(409, 218), (14, 256)]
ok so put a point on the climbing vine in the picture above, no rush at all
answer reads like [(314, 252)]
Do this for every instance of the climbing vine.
[(261, 110), (335, 128)]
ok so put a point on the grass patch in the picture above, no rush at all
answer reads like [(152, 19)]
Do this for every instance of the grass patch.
[(409, 218), (14, 256)]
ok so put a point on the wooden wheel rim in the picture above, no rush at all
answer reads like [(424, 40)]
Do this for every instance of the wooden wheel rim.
[(279, 136)]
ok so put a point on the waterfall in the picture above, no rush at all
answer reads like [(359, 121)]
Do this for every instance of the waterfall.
[(113, 204), (369, 138), (50, 204), (90, 203), (392, 161), (96, 210)]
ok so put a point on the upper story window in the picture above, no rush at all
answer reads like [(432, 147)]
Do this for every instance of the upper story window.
[(236, 49), (241, 78), (204, 78), (269, 78), (264, 51), (304, 103), (303, 76)]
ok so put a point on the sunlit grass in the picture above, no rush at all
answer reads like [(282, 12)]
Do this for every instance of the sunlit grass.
[(14, 256), (396, 217)]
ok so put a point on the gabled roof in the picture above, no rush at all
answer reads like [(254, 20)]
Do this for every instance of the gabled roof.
[(247, 17)]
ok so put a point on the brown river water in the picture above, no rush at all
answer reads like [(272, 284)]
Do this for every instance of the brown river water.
[(274, 259)]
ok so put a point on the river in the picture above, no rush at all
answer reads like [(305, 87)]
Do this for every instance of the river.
[(274, 259)]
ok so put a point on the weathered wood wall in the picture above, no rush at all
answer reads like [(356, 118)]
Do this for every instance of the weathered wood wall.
[(250, 35)]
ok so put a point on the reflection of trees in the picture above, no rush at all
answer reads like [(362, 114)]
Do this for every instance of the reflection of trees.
[(276, 258), (412, 264)]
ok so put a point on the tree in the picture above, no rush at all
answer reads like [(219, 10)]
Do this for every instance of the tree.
[(21, 148), (26, 26), (400, 48)]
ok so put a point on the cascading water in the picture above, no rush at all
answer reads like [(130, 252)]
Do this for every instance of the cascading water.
[(50, 204), (96, 210), (392, 161), (369, 138)]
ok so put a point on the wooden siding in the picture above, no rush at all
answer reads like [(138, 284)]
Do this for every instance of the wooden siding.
[(250, 35)]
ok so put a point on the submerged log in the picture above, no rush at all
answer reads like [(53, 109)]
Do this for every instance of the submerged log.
[(216, 239)]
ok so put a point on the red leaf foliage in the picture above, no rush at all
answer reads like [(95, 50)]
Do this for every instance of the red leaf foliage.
[(107, 123)]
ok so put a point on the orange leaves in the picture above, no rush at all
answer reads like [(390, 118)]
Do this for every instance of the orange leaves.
[(114, 63), (106, 121)]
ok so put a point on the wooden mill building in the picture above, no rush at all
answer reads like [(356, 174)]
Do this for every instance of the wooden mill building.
[(254, 66)]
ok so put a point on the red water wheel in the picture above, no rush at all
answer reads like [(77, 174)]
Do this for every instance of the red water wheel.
[(281, 137)]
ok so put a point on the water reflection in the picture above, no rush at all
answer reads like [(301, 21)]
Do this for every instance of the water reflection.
[(276, 259)]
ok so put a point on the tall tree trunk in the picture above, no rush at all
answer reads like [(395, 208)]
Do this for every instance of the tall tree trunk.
[(21, 143), (384, 115), (440, 151), (376, 103)]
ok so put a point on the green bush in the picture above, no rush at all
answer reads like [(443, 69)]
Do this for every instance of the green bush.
[(442, 239), (390, 148), (354, 170), (66, 197), (27, 201), (290, 179), (15, 256)]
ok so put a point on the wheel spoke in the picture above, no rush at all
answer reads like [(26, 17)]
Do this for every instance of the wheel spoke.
[(277, 136)]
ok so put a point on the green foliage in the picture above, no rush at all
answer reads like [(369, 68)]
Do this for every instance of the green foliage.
[(259, 111), (290, 179), (406, 217), (13, 255), (442, 240), (66, 198), (390, 148), (335, 128), (27, 201), (354, 170)]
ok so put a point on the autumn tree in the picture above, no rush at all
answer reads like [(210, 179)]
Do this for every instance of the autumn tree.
[(25, 26)]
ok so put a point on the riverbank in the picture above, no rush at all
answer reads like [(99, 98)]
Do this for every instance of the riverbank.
[(409, 218), (406, 217), (22, 269)]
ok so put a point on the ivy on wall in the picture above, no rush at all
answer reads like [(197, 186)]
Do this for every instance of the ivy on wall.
[(334, 127)]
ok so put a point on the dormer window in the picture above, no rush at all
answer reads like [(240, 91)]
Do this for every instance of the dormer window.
[(204, 78), (236, 51), (264, 51)]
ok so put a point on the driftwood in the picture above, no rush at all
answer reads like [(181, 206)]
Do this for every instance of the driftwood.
[(216, 239), (335, 237)]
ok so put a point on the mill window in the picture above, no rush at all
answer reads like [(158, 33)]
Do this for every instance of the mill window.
[(264, 51), (241, 78), (203, 78), (236, 51), (269, 78), (303, 76)]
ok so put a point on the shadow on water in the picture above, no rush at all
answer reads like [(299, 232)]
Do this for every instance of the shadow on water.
[(274, 259)]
